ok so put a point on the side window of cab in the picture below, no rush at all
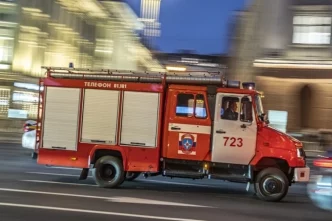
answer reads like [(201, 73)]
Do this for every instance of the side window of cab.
[(246, 114), (230, 108), (191, 105)]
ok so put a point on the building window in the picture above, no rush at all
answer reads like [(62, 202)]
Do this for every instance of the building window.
[(6, 49), (314, 30), (4, 101)]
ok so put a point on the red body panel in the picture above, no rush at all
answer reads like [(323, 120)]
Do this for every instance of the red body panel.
[(134, 159), (275, 144), (171, 138)]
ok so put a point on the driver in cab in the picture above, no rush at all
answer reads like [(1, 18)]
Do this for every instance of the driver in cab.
[(230, 112)]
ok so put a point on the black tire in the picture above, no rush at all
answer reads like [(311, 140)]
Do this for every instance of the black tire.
[(271, 185), (130, 176), (34, 155), (108, 172)]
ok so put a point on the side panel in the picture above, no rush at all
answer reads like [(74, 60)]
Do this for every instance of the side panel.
[(61, 117), (188, 126), (234, 139), (100, 115), (140, 119), (274, 144), (140, 109), (140, 129)]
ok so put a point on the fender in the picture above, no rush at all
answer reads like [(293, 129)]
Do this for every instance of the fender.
[(289, 156), (121, 150)]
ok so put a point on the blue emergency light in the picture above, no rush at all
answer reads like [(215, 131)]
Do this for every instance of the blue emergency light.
[(248, 85)]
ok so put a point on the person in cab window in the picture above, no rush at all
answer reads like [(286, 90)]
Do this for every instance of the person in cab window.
[(230, 113)]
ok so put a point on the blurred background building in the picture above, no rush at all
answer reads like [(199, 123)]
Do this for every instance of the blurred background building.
[(190, 61), (149, 16), (88, 33), (285, 47)]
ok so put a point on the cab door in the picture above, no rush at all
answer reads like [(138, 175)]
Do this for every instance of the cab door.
[(235, 129), (189, 125)]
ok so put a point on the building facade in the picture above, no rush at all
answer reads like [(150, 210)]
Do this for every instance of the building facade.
[(285, 47), (87, 33), (192, 62)]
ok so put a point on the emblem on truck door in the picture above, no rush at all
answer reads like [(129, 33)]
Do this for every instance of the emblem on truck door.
[(187, 144)]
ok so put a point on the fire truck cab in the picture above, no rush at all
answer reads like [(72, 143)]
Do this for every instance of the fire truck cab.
[(175, 125)]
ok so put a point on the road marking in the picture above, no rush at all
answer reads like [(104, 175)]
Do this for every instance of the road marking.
[(153, 202), (55, 174), (53, 193), (62, 183), (113, 199), (143, 180), (96, 212)]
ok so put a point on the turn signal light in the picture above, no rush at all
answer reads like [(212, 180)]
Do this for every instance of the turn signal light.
[(325, 163)]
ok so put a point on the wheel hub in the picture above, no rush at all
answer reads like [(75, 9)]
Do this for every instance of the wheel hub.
[(108, 172), (272, 186)]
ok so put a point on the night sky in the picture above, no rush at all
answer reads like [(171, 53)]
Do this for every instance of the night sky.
[(199, 25)]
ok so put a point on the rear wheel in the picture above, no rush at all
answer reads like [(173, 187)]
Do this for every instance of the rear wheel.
[(108, 172), (271, 185), (130, 176)]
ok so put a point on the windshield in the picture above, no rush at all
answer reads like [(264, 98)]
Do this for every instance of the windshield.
[(259, 105)]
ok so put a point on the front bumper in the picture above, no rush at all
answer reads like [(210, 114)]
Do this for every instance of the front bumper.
[(302, 174)]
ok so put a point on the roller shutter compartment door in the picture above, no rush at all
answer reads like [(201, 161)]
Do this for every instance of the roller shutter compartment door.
[(100, 116), (61, 118), (140, 119)]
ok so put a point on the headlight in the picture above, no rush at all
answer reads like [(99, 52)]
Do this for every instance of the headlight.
[(300, 152)]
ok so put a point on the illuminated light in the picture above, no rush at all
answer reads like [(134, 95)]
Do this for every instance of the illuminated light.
[(248, 85), (172, 68), (4, 66), (289, 64), (323, 163), (206, 166), (73, 158), (104, 51), (27, 86), (6, 38), (31, 9)]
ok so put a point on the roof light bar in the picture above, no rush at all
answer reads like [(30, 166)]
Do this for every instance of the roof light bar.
[(248, 85)]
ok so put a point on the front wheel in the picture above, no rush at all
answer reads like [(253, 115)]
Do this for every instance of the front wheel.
[(108, 172), (271, 185)]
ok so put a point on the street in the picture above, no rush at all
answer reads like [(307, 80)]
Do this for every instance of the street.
[(34, 192)]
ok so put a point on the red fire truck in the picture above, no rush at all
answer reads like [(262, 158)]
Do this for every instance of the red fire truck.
[(118, 123)]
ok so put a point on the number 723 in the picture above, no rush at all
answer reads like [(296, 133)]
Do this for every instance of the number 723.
[(233, 142)]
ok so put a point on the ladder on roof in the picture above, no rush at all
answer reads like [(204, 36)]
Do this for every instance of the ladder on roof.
[(39, 115), (203, 78)]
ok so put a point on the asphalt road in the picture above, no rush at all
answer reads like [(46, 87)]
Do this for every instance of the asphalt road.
[(32, 192)]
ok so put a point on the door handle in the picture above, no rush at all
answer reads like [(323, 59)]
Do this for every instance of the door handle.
[(220, 131), (243, 126), (175, 128)]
